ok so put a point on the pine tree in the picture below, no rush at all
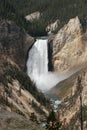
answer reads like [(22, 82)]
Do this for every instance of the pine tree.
[(52, 122), (79, 89)]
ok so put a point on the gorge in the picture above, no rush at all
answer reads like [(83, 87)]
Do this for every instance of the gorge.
[(13, 78), (43, 64)]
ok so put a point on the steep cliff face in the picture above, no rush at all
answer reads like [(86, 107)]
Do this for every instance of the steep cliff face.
[(17, 92), (72, 111), (14, 42), (12, 121), (69, 47), (70, 54)]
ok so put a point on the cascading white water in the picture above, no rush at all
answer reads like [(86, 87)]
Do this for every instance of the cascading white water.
[(38, 59), (37, 67)]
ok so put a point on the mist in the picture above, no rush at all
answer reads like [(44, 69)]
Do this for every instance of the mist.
[(46, 81)]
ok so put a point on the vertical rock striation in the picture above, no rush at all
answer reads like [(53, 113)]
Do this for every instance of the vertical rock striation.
[(69, 47)]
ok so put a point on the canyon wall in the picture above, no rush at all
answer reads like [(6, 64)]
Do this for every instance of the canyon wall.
[(70, 54), (17, 92), (14, 42), (69, 47), (73, 110)]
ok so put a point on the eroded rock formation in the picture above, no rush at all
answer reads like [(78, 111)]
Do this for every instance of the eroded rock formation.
[(72, 111), (17, 92), (69, 47), (53, 26)]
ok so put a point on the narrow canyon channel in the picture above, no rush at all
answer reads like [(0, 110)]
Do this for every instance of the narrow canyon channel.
[(38, 71)]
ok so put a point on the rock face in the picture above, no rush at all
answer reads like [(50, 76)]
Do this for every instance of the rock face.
[(33, 16), (12, 121), (72, 111), (69, 47), (70, 53), (73, 92), (52, 27), (14, 42), (17, 92)]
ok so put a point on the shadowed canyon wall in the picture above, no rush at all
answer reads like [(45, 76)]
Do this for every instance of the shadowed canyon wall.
[(14, 42)]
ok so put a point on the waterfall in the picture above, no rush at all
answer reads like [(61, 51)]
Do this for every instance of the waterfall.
[(37, 66), (38, 59)]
